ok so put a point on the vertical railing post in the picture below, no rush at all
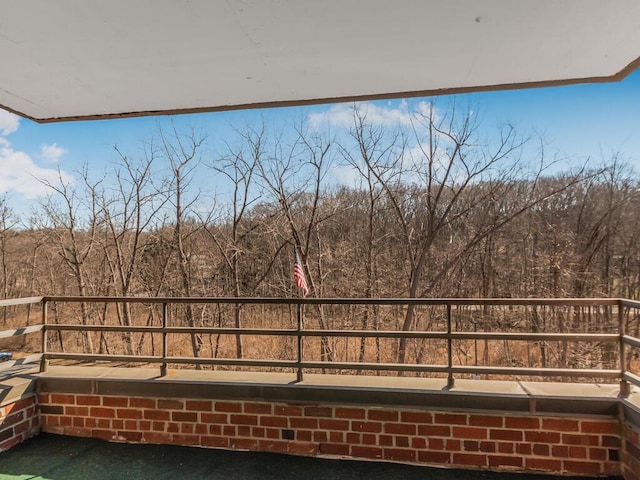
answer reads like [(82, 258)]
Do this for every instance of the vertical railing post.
[(299, 374), (44, 362), (624, 385), (450, 379), (165, 344)]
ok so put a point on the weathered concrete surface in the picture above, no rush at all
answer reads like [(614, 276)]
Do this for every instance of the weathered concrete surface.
[(54, 457)]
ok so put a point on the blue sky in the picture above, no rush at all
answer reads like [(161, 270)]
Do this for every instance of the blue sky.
[(579, 121)]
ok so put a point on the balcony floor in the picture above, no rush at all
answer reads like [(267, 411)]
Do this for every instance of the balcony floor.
[(55, 457)]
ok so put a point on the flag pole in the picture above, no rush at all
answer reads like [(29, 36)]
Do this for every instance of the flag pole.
[(303, 289)]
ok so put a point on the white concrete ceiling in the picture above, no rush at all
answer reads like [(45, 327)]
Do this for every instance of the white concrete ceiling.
[(69, 59)]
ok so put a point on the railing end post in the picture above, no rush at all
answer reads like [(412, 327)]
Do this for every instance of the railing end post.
[(163, 370), (451, 382), (44, 365), (625, 388), (299, 375)]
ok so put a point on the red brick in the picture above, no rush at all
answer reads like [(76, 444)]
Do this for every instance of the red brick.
[(243, 431), (610, 441), (436, 444), (440, 458), (229, 430), (366, 452), (304, 435), (523, 423), (382, 415), (357, 413), (400, 441), (257, 432), (577, 452), (214, 441), (353, 438), (128, 413), (336, 437), (469, 459), (170, 404), (62, 398), (78, 422), (278, 446), (220, 418), (156, 415), (333, 449), (87, 400), (580, 439), (599, 454), (199, 405), (416, 417), (137, 402), (610, 428), (272, 433), (434, 430), (486, 421), (228, 407), (450, 419), (583, 468), (543, 464), (303, 422), (156, 437), (103, 434), (281, 422), (76, 411), (470, 433), (385, 440), (541, 450), (185, 417), (215, 430), (512, 435), (542, 437), (318, 412), (287, 410), (302, 448), (65, 421), (44, 398), (102, 412), (173, 427), (504, 461), (117, 424), (187, 428), (418, 443), (262, 408), (320, 436), (399, 454), (453, 445), (115, 401), (135, 437), (560, 424), (374, 427), (186, 439), (327, 424), (560, 451), (400, 428), (144, 425)]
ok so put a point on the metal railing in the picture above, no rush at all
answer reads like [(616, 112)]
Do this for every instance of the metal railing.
[(609, 321)]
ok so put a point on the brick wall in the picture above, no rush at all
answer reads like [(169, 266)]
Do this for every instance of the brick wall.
[(631, 453), (18, 421), (566, 445)]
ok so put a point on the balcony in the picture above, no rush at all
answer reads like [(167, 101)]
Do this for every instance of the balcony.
[(536, 385)]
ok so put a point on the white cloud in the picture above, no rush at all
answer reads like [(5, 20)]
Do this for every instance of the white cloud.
[(52, 153), (341, 115), (20, 174), (9, 122)]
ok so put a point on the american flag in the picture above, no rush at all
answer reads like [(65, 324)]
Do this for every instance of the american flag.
[(298, 273)]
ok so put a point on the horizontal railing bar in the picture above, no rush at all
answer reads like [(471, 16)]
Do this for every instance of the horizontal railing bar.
[(20, 301), (359, 366), (632, 341), (33, 358), (98, 357), (632, 378), (589, 337), (569, 302), (21, 331), (624, 302), (539, 372)]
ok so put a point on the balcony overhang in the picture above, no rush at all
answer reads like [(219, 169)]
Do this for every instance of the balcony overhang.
[(71, 59)]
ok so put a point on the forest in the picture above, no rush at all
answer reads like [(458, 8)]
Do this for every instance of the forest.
[(434, 207)]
